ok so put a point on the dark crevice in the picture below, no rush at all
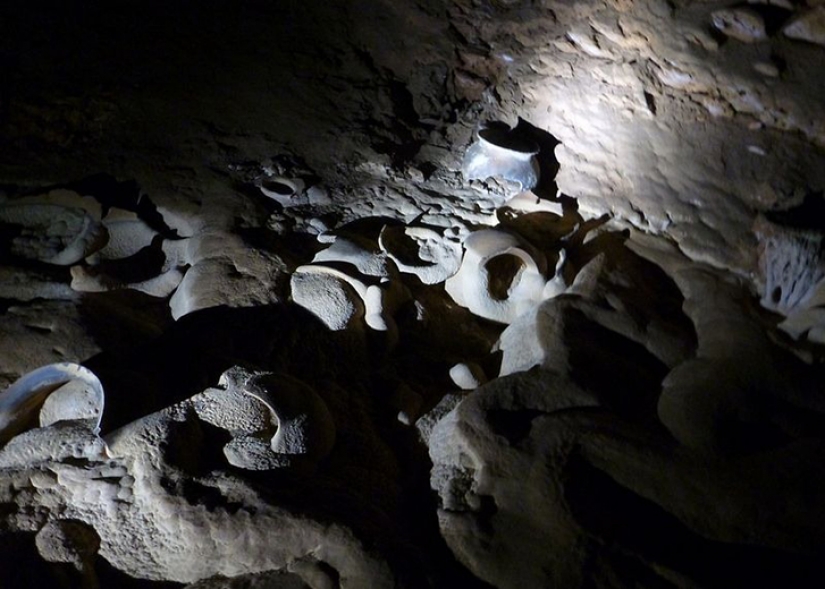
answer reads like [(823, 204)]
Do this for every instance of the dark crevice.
[(513, 424), (772, 15), (109, 576), (548, 164), (6, 304), (127, 195), (651, 102), (212, 499), (622, 373), (503, 273), (143, 265), (810, 215)]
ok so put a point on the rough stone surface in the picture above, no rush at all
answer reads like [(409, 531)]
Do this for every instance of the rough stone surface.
[(740, 24), (43, 332), (808, 26), (258, 224)]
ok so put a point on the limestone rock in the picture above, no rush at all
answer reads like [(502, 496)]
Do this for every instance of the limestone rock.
[(331, 299), (23, 284), (63, 441), (741, 24), (225, 272), (128, 234), (736, 373), (501, 276), (286, 191), (808, 26), (152, 526), (268, 580), (52, 233), (59, 392), (161, 286), (593, 478), (360, 255), (511, 532), (431, 256), (792, 276), (40, 333), (657, 420), (68, 541), (791, 265), (467, 376), (345, 278), (304, 428), (614, 291)]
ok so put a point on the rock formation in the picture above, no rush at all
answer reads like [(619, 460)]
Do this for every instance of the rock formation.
[(412, 294)]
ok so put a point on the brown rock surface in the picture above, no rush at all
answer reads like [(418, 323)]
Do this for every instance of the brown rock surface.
[(256, 223)]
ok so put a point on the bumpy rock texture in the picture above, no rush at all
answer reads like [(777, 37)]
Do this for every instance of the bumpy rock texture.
[(342, 347)]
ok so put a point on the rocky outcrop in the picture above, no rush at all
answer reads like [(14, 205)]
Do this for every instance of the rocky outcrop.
[(538, 472), (676, 117), (429, 294)]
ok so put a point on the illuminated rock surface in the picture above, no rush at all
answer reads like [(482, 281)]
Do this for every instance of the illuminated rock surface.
[(342, 345)]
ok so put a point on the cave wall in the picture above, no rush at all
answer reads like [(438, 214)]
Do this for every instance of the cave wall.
[(249, 220), (666, 120), (673, 123)]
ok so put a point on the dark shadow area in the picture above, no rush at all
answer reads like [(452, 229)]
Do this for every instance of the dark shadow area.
[(120, 320), (808, 215), (645, 292), (111, 192), (401, 142), (620, 372), (503, 271), (110, 577), (548, 164), (21, 566), (642, 534), (772, 15), (542, 228), (145, 264), (513, 424), (192, 353), (376, 481)]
